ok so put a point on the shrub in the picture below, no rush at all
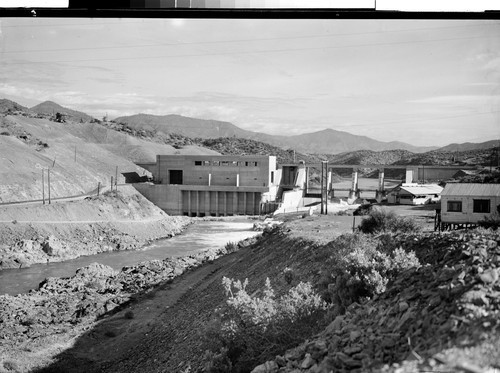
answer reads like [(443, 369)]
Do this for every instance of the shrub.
[(381, 220), (252, 329), (231, 247), (492, 221), (361, 266), (129, 315), (11, 366)]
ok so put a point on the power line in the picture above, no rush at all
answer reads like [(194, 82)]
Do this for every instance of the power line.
[(240, 40), (254, 52)]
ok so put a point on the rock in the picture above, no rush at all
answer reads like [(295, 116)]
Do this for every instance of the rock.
[(489, 276), (355, 334), (348, 361), (317, 349), (307, 362), (352, 350), (403, 306), (335, 325), (477, 297), (53, 246), (267, 367)]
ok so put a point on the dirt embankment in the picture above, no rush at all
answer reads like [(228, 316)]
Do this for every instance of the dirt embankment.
[(122, 220)]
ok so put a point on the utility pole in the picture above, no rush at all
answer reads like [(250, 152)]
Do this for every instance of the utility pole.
[(111, 183), (98, 188), (43, 188), (322, 181), (48, 179), (326, 186), (116, 179)]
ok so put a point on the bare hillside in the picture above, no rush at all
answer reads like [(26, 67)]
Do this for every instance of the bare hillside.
[(78, 155)]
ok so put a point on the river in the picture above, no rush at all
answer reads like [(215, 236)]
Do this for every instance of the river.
[(197, 237)]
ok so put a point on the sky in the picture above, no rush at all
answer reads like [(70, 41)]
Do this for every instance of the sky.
[(424, 82)]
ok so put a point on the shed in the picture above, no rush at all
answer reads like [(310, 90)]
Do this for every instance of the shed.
[(414, 194), (468, 203)]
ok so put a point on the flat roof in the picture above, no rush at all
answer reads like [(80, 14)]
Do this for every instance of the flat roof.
[(471, 189)]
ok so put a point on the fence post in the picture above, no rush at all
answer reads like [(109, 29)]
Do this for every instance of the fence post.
[(111, 183), (98, 188)]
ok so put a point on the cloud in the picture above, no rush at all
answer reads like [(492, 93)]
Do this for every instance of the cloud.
[(457, 99)]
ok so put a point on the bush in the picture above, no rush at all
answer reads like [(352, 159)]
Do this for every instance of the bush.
[(231, 247), (252, 329), (361, 267), (491, 222), (381, 220)]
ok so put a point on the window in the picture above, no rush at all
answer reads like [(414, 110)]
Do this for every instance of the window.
[(481, 206), (197, 163), (225, 163), (206, 163), (272, 177), (216, 163), (455, 206)]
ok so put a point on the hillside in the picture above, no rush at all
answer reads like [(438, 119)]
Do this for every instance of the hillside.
[(466, 146), (474, 157), (239, 146), (8, 105), (51, 108), (370, 157), (327, 141), (112, 221), (79, 156)]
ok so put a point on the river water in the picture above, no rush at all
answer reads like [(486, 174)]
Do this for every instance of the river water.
[(197, 237)]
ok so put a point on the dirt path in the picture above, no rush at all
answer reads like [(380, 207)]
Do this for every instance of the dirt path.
[(109, 345)]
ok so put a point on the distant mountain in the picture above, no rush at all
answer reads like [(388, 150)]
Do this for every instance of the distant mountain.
[(469, 146), (327, 141), (6, 105), (49, 107)]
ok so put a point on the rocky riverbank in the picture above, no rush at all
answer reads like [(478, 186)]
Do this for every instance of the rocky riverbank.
[(122, 220), (441, 316), (37, 323)]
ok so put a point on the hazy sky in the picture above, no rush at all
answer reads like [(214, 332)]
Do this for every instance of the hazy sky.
[(423, 82)]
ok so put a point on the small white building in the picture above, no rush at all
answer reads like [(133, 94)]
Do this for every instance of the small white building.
[(467, 203), (414, 194)]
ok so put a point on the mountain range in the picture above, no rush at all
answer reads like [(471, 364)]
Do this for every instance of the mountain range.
[(327, 141)]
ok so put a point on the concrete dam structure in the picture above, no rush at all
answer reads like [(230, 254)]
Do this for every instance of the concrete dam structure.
[(215, 185)]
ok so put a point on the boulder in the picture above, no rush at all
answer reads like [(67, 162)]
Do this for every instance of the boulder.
[(53, 246)]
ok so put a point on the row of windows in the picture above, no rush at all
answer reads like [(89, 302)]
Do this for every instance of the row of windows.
[(226, 163), (479, 206)]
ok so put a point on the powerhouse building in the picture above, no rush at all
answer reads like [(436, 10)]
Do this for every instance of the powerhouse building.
[(211, 185)]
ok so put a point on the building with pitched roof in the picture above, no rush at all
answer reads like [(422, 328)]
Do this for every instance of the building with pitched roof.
[(468, 203), (414, 194)]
